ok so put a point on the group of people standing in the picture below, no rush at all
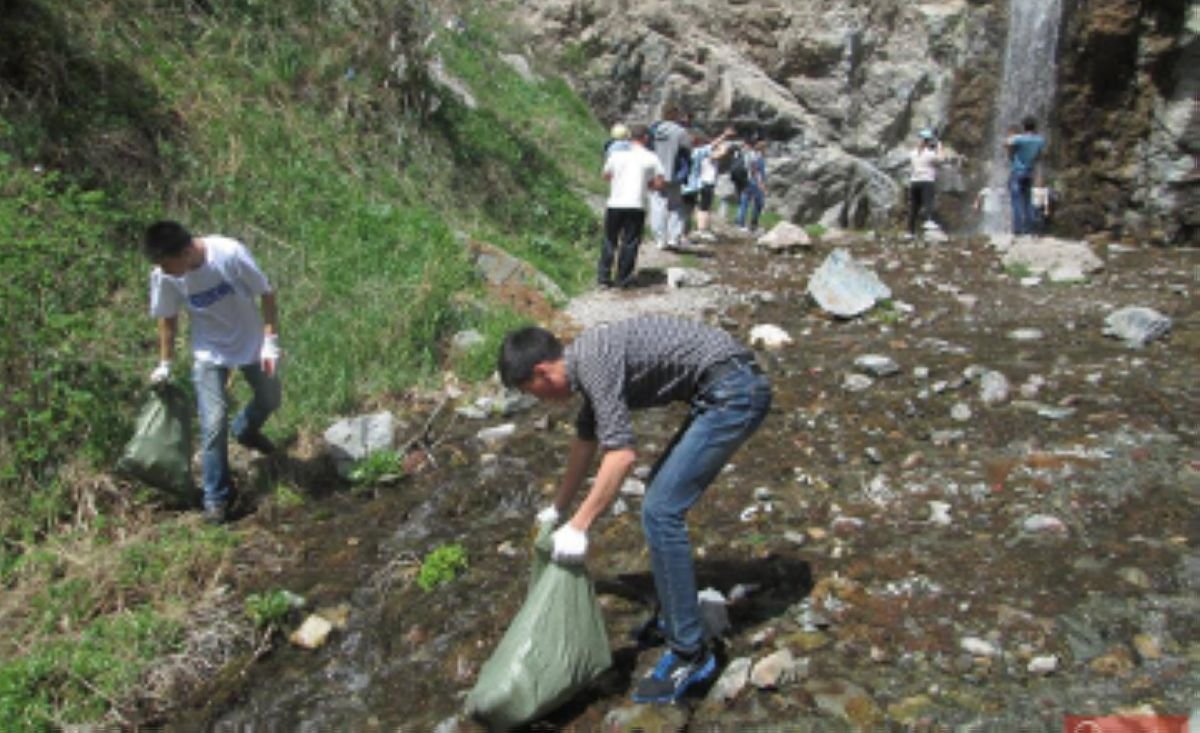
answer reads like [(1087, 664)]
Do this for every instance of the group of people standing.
[(1029, 197), (677, 170)]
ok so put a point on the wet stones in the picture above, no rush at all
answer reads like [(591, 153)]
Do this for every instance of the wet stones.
[(1137, 326)]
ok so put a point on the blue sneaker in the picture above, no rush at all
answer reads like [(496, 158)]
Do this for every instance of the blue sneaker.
[(673, 675)]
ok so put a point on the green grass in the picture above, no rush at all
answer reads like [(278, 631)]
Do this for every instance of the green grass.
[(441, 566)]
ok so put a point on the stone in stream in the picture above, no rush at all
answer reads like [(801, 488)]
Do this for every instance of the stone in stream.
[(1136, 325)]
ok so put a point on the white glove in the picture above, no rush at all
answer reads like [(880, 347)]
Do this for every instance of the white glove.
[(549, 515), (270, 353), (161, 373), (570, 545)]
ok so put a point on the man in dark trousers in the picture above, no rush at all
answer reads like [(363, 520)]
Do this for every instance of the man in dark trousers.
[(631, 172), (643, 362)]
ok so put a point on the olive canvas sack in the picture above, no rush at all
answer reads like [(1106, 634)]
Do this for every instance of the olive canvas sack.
[(555, 646), (160, 451)]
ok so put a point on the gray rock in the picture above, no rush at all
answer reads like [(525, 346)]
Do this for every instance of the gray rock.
[(845, 288), (1058, 260), (686, 277), (785, 237), (877, 365), (1136, 325), (354, 438), (994, 388)]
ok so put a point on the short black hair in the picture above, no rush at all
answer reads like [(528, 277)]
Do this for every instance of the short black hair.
[(1029, 123), (522, 350), (165, 239)]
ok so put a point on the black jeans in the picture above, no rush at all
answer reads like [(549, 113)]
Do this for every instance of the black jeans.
[(622, 236), (920, 198)]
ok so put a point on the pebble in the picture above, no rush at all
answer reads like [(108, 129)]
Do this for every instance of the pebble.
[(857, 382), (1044, 524), (960, 412), (975, 646), (1043, 665), (877, 365), (1026, 334), (774, 670)]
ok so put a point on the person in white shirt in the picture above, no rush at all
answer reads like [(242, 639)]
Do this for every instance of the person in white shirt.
[(216, 280), (631, 174), (925, 160)]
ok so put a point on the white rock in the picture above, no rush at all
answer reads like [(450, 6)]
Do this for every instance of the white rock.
[(773, 671), (732, 681), (993, 388), (1044, 664), (352, 439), (857, 382), (769, 336), (1044, 524), (313, 633), (939, 513), (1026, 334), (633, 487), (686, 277), (846, 288), (978, 647), (496, 436), (785, 237), (960, 412)]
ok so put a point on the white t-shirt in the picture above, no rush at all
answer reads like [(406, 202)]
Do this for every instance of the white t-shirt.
[(708, 168), (226, 326), (924, 164), (631, 172)]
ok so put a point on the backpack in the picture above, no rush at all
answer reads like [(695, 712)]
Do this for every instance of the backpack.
[(681, 167), (682, 170), (738, 172)]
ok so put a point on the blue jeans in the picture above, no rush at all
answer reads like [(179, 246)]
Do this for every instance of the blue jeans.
[(212, 401), (751, 195), (1020, 190), (721, 418)]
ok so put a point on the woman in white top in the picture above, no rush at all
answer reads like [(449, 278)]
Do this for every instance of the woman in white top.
[(925, 161)]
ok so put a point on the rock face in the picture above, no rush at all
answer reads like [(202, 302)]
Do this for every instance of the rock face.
[(840, 88)]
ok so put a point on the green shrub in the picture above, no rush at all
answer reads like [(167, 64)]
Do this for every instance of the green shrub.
[(442, 566), (376, 466), (270, 608)]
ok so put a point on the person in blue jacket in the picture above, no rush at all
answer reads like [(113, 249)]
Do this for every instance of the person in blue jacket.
[(1024, 151)]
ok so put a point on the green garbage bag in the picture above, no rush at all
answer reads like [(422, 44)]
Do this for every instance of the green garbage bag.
[(160, 451), (554, 647)]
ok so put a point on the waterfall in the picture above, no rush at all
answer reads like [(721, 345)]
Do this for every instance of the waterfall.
[(1027, 88)]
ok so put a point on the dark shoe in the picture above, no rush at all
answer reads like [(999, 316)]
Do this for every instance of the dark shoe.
[(673, 675), (216, 513), (254, 440), (650, 633)]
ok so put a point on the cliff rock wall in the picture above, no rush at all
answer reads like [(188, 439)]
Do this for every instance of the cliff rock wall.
[(840, 88)]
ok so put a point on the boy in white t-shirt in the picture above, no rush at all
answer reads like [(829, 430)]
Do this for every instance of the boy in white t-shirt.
[(216, 280), (631, 174)]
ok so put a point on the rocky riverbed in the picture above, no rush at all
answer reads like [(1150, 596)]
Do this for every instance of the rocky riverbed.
[(969, 509)]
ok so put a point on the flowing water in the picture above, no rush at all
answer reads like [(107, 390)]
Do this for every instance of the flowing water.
[(1026, 88)]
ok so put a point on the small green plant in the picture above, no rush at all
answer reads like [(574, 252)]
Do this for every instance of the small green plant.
[(442, 566), (287, 497), (1017, 270), (886, 312), (815, 230), (270, 608), (376, 466)]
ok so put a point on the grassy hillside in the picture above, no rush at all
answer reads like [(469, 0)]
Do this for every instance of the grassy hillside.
[(312, 130)]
